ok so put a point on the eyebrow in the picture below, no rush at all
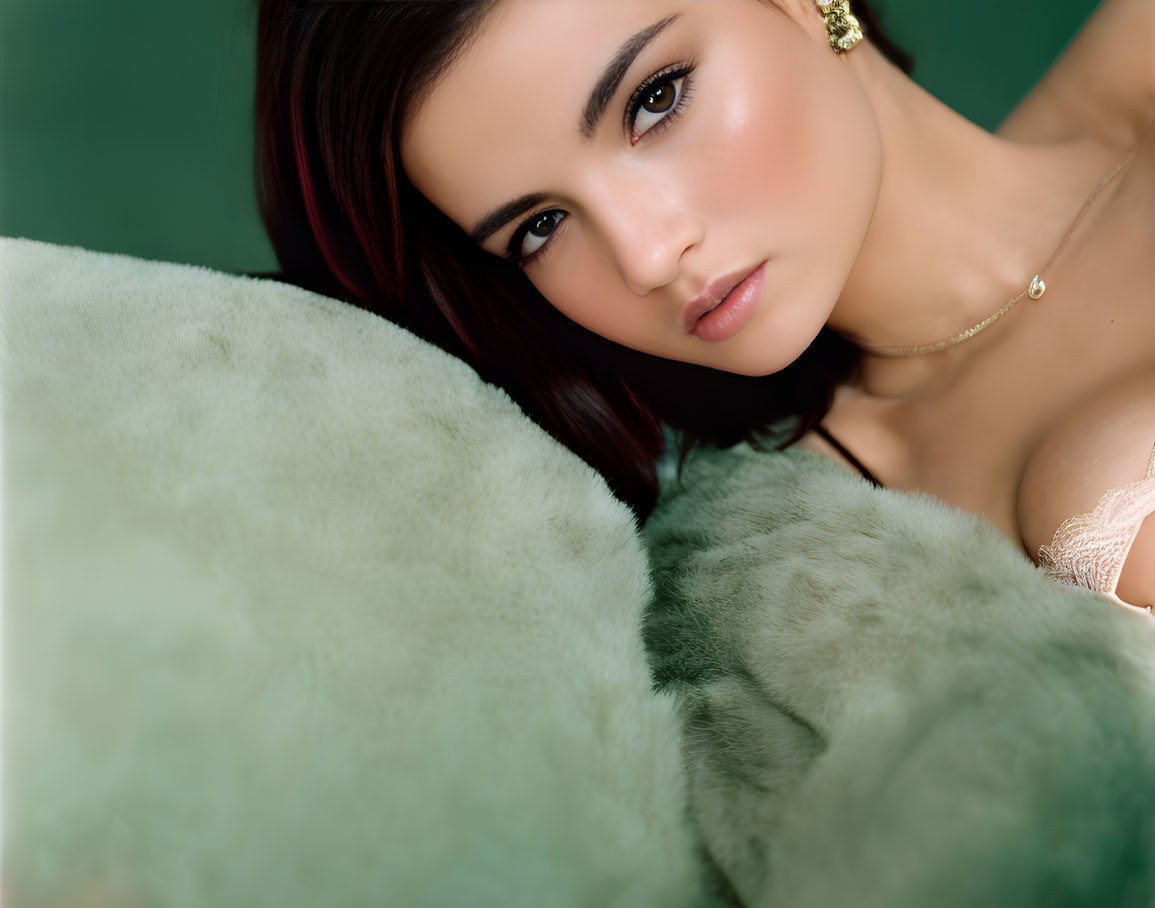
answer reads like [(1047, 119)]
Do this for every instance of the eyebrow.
[(499, 217), (603, 92), (607, 85)]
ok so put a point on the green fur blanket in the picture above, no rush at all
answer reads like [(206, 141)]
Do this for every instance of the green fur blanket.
[(885, 704), (299, 612)]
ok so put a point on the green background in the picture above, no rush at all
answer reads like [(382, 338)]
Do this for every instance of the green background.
[(125, 125)]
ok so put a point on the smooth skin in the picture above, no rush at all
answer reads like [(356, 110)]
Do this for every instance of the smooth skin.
[(877, 210)]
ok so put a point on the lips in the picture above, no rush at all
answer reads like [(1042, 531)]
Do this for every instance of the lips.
[(715, 293)]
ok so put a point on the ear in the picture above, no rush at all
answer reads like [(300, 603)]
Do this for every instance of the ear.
[(806, 14), (811, 18)]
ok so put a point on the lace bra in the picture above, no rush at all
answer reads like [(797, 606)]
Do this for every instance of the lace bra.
[(1088, 550)]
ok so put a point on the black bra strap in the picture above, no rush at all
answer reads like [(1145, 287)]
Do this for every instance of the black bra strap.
[(854, 461)]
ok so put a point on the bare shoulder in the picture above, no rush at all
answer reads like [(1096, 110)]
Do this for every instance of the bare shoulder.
[(1104, 444), (1102, 86)]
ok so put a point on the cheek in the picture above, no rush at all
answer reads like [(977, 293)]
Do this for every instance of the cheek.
[(586, 287), (751, 151), (583, 287), (795, 145)]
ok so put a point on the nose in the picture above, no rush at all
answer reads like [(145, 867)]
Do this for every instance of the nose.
[(648, 229)]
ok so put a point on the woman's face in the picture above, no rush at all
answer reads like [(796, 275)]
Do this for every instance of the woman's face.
[(640, 158)]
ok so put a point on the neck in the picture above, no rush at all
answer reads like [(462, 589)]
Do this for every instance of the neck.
[(964, 220)]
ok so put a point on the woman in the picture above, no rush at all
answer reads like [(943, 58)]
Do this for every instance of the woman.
[(740, 217)]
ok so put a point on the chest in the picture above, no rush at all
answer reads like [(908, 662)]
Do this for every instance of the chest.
[(1092, 333)]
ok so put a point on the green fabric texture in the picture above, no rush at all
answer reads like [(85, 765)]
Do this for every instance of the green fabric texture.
[(886, 704), (299, 612)]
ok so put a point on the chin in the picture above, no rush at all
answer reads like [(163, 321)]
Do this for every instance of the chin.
[(768, 350)]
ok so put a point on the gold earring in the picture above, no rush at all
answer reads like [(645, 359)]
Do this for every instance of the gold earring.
[(842, 29)]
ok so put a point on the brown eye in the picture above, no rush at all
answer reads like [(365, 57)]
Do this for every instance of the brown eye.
[(661, 98), (544, 223), (535, 232), (656, 103)]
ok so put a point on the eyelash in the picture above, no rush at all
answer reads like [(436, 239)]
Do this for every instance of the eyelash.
[(672, 73), (668, 74)]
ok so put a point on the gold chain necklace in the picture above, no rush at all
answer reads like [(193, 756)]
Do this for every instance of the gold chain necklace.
[(1035, 289)]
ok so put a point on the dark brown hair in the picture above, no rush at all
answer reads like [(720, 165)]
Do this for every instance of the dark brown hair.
[(334, 83)]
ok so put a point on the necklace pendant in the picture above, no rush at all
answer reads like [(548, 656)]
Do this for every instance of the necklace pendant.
[(1037, 288)]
